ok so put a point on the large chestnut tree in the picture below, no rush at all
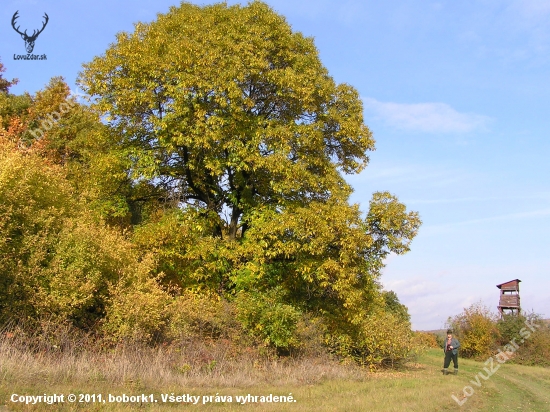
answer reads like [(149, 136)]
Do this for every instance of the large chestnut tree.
[(232, 117)]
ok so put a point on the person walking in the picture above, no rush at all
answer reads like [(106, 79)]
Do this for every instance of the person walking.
[(450, 348)]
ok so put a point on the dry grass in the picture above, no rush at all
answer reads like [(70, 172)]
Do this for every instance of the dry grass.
[(57, 360), (58, 355)]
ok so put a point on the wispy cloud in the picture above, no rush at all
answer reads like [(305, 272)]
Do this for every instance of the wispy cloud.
[(511, 32), (445, 291), (413, 174), (425, 117), (477, 199), (437, 229), (428, 298)]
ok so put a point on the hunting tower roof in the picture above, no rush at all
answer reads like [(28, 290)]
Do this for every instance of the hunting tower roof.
[(509, 284)]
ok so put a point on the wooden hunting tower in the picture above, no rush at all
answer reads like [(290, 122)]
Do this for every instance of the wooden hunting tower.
[(509, 298)]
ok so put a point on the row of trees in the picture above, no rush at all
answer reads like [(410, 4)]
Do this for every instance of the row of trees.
[(200, 190)]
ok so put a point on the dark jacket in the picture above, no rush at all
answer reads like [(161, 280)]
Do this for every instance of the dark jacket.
[(454, 343)]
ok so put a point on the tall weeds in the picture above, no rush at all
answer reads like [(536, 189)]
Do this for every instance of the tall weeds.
[(59, 354)]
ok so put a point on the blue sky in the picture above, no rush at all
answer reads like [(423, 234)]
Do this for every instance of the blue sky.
[(457, 95)]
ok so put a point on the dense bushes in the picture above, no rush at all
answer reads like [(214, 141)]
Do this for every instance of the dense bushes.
[(476, 330), (61, 262), (535, 351), (427, 340), (265, 316), (381, 339), (523, 337), (34, 202)]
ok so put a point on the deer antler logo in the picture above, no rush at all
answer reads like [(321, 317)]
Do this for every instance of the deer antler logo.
[(29, 40)]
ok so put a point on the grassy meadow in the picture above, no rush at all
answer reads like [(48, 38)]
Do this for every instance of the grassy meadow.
[(316, 384)]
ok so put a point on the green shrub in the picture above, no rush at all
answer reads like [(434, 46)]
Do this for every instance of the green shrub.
[(137, 306), (265, 317), (382, 339), (200, 315), (476, 329), (426, 340), (509, 327), (534, 346), (34, 202), (394, 306), (87, 257), (535, 351), (311, 332), (440, 339)]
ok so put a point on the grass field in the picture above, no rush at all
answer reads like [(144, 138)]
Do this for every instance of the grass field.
[(419, 387)]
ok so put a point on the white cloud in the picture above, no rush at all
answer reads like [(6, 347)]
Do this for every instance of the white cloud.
[(442, 292), (397, 177), (425, 117), (429, 298)]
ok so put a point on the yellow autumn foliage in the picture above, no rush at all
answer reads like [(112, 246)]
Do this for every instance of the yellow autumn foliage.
[(476, 329)]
